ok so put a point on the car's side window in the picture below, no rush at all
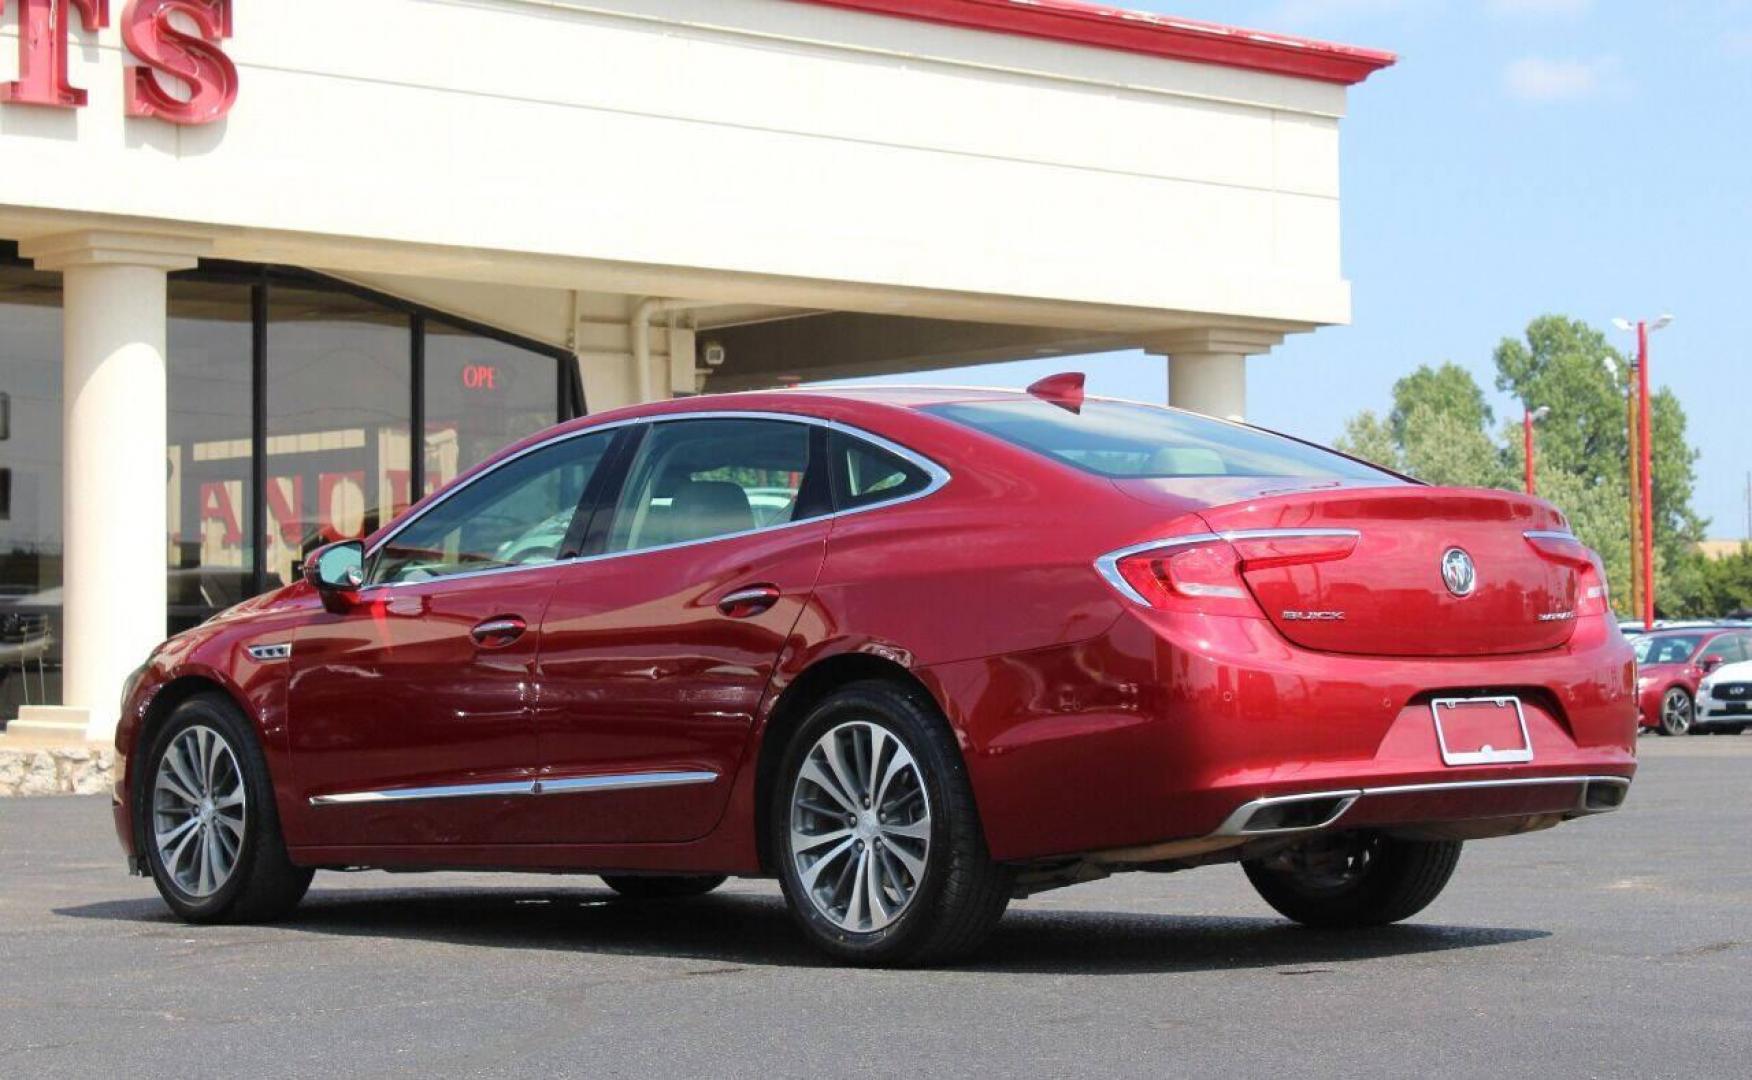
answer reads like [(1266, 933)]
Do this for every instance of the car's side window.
[(516, 515), (865, 474), (1730, 647), (699, 479)]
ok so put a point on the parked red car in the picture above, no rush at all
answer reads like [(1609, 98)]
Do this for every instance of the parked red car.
[(995, 643), (1670, 664)]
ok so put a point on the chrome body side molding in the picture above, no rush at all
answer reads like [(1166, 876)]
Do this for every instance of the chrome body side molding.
[(519, 788)]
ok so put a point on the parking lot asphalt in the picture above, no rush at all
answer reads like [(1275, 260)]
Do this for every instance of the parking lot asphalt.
[(1614, 946)]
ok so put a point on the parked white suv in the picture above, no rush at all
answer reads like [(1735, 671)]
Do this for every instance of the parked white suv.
[(1724, 700)]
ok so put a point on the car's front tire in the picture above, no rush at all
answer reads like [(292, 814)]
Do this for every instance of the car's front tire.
[(1354, 879), (665, 887), (875, 834), (209, 825), (1677, 711)]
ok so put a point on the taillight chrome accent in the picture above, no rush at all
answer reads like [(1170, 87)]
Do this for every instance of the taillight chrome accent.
[(1108, 565), (1564, 547)]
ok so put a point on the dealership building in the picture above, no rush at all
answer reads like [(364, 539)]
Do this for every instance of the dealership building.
[(269, 271)]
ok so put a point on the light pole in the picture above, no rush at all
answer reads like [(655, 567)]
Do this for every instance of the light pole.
[(1634, 497), (1529, 417), (1647, 486)]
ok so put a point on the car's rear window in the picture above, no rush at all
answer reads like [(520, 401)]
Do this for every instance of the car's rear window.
[(1127, 441)]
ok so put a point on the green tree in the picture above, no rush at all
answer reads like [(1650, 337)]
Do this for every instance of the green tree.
[(1369, 437), (1439, 430), (1567, 365)]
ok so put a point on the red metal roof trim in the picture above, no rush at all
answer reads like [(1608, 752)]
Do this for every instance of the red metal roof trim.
[(1142, 32)]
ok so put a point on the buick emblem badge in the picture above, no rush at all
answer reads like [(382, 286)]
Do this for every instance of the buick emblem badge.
[(1458, 573)]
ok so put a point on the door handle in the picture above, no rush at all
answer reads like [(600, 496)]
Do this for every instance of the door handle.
[(496, 633), (750, 601)]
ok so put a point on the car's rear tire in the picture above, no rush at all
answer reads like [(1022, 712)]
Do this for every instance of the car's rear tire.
[(208, 822), (1677, 710), (875, 834), (1354, 879), (669, 887)]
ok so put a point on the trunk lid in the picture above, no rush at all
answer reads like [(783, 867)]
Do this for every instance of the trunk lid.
[(1390, 596)]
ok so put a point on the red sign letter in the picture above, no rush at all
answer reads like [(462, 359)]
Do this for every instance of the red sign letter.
[(165, 50), (43, 47)]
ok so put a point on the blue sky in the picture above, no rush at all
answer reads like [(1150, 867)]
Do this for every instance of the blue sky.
[(1587, 157)]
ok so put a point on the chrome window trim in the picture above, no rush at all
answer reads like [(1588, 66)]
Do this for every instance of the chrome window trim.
[(519, 788), (939, 476), (1108, 565)]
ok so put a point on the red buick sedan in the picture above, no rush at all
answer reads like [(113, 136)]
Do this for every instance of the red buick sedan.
[(913, 652)]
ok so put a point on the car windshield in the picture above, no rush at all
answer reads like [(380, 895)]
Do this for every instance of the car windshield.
[(1667, 649), (1123, 440)]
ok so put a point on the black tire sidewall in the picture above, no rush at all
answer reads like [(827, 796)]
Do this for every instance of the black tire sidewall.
[(221, 716), (922, 735), (1406, 876)]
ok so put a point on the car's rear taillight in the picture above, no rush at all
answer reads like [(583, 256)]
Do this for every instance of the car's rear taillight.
[(1203, 572), (1565, 549)]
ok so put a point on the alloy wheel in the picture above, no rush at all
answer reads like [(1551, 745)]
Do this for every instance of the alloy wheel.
[(1676, 712), (199, 810), (860, 826)]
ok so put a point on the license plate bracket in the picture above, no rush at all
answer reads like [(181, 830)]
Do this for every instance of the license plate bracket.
[(1474, 730)]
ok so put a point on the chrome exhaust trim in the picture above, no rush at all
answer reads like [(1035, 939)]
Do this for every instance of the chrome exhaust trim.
[(1277, 815)]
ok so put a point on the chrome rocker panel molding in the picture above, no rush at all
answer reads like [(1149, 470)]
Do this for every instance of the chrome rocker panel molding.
[(1236, 823), (519, 788)]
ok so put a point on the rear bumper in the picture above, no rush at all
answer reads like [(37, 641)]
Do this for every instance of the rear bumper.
[(1442, 801), (1709, 713), (1167, 727)]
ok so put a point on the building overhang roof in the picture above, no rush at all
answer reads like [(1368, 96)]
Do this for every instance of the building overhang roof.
[(1167, 36)]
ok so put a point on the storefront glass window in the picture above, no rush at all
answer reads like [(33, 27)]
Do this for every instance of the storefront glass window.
[(211, 555), (30, 489), (339, 403), (338, 393), (481, 395)]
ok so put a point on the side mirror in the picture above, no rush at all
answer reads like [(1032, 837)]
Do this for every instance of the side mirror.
[(1710, 662), (337, 571)]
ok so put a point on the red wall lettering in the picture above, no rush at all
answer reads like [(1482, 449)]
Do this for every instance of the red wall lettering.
[(42, 50), (216, 506), (400, 482), (165, 50), (329, 485), (286, 507)]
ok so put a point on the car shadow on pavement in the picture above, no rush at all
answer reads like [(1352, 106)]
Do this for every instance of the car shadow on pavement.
[(753, 929)]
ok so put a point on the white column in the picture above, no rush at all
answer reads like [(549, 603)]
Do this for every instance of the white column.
[(113, 487), (1207, 368)]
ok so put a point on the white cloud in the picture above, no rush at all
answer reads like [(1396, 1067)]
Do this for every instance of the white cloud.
[(1539, 7), (1543, 79)]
